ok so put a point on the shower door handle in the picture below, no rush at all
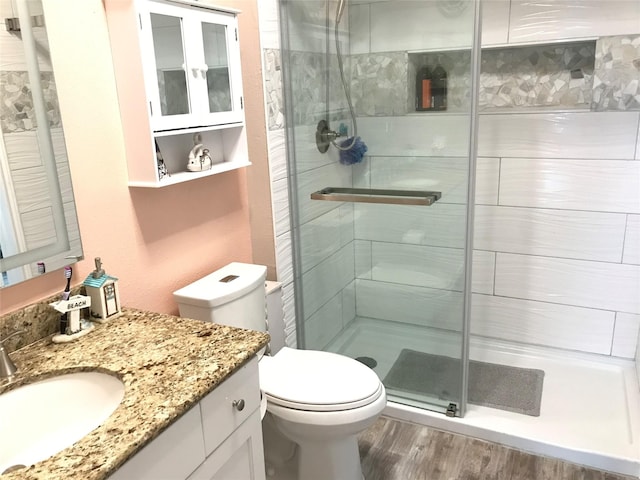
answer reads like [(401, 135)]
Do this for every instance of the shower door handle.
[(376, 195)]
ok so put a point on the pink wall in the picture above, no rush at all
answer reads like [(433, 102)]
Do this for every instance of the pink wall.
[(153, 240)]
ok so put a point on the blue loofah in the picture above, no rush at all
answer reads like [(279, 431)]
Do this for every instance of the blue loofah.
[(355, 153)]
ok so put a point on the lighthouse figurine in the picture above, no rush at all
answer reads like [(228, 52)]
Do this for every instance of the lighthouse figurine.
[(103, 290)]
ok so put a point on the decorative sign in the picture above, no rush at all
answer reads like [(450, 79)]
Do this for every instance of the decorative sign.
[(76, 302)]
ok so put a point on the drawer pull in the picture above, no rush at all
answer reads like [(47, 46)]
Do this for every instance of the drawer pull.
[(238, 404)]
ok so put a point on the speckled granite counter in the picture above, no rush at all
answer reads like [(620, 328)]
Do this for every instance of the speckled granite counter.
[(167, 365)]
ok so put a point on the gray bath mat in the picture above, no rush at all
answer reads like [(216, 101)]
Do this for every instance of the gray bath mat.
[(513, 389)]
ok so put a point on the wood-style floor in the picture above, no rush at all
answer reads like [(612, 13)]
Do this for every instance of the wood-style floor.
[(395, 450)]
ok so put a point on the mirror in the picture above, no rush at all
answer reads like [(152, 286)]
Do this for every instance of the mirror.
[(38, 224)]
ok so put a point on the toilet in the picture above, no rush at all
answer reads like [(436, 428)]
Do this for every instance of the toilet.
[(318, 401)]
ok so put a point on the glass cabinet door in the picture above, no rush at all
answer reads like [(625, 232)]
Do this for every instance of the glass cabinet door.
[(168, 47), (214, 41), (222, 86), (193, 67)]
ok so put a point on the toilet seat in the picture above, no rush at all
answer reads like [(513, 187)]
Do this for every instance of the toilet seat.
[(317, 381)]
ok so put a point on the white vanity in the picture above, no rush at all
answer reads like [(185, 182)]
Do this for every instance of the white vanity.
[(191, 404), (220, 438)]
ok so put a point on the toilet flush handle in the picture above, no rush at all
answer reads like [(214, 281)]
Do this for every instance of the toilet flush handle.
[(238, 404)]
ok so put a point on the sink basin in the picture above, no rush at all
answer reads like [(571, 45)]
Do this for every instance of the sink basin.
[(40, 419)]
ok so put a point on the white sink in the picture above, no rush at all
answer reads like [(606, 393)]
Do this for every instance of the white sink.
[(40, 419)]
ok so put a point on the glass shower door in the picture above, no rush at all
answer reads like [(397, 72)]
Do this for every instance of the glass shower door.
[(380, 240)]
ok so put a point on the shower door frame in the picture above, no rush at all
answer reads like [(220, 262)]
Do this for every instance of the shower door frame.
[(292, 187)]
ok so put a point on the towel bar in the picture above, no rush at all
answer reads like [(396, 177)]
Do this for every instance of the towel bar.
[(375, 195)]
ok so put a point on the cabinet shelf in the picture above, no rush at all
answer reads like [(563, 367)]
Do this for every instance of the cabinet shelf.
[(208, 128), (180, 177)]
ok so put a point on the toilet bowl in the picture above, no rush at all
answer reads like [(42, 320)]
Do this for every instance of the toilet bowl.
[(320, 401)]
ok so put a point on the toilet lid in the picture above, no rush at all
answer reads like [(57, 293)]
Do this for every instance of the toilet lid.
[(317, 381)]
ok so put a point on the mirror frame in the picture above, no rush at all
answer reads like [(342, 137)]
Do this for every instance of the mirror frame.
[(64, 250)]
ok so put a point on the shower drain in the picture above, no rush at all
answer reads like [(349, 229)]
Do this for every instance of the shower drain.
[(368, 361)]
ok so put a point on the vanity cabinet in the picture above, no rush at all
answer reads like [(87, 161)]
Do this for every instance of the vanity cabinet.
[(179, 81), (220, 438)]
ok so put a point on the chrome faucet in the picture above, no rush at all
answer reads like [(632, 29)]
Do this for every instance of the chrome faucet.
[(7, 367)]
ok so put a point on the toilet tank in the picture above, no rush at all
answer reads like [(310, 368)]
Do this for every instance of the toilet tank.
[(233, 295)]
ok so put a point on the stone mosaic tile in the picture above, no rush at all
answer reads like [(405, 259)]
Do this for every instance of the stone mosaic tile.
[(379, 83), (537, 76), (310, 88), (519, 77), (273, 88), (559, 75), (616, 83), (16, 103)]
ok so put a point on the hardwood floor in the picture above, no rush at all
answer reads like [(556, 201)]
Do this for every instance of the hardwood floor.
[(395, 450)]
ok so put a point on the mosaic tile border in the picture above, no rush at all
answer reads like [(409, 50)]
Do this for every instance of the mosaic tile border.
[(601, 75), (616, 83), (16, 103)]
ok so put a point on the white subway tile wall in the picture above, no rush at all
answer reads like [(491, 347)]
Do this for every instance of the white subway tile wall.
[(441, 225), (269, 24), (632, 241), (410, 25), (548, 21), (11, 46), (570, 184), (625, 335), (375, 25), (284, 268), (579, 135), (325, 323), (280, 201), (601, 285), (638, 143), (327, 279), (553, 233), (541, 323), (429, 307), (638, 359)]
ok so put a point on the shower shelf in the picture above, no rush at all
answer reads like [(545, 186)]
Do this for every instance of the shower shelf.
[(374, 195)]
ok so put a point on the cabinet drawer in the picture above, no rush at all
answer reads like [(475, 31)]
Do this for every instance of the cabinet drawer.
[(226, 407)]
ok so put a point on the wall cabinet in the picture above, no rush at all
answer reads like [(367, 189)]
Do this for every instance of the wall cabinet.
[(192, 64), (218, 439), (179, 80)]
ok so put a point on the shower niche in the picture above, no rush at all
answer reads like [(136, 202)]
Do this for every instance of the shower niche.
[(430, 88), (429, 77), (558, 76)]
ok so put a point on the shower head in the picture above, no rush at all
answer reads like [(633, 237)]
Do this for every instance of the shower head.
[(340, 10)]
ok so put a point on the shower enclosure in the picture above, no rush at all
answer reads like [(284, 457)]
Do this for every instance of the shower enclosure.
[(542, 308), (382, 262)]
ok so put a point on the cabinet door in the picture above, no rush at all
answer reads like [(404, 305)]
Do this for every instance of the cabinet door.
[(167, 72), (240, 456), (192, 66), (221, 89), (172, 455)]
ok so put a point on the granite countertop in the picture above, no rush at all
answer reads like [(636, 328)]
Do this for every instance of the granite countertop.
[(167, 365)]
